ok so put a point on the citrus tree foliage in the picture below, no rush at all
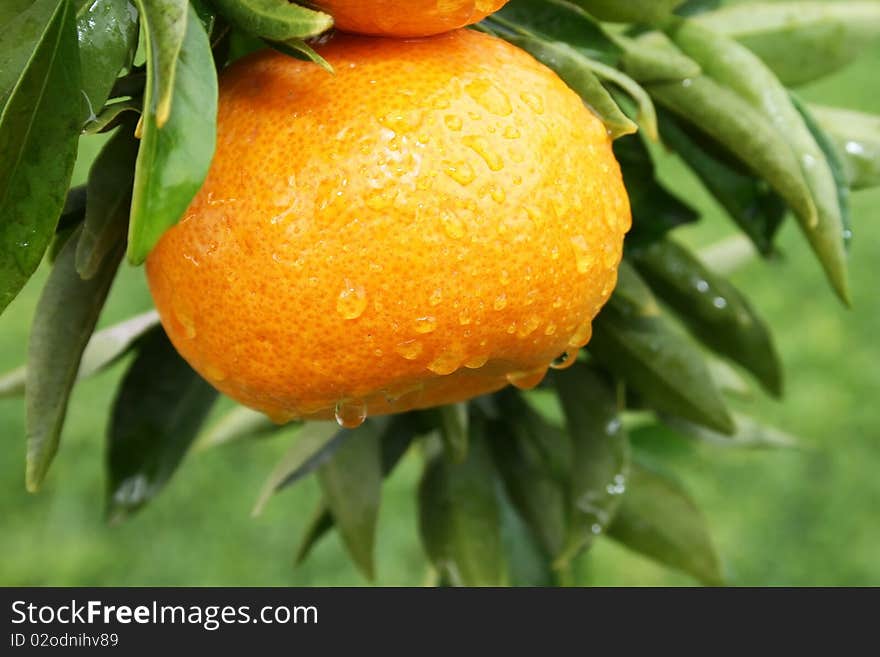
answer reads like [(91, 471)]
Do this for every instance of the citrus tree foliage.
[(516, 484)]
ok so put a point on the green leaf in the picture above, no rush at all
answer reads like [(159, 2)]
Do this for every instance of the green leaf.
[(712, 309), (300, 50), (312, 445), (748, 200), (396, 438), (527, 561), (857, 136), (667, 370), (533, 460), (630, 11), (735, 67), (109, 199), (459, 516), (178, 139), (800, 41), (559, 20), (658, 519), (835, 163), (655, 210), (601, 453), (632, 295), (652, 58), (352, 484), (63, 322), (108, 32), (576, 71), (240, 423), (749, 433), (276, 20), (452, 421), (112, 115), (39, 125), (157, 413), (645, 114)]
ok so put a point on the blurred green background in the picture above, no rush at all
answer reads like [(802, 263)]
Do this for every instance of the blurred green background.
[(796, 517)]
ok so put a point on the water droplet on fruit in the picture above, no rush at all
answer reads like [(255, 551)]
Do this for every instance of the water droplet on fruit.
[(529, 326), (425, 324), (511, 132), (500, 302), (550, 329), (489, 97), (582, 335), (410, 349), (464, 318), (565, 360), (452, 122), (480, 145), (446, 363), (498, 195), (436, 297), (453, 226), (583, 258), (214, 373), (505, 277), (527, 380), (351, 413), (462, 173), (184, 315), (476, 362), (351, 301), (533, 101)]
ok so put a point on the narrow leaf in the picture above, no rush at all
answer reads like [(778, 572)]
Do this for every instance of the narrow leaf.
[(158, 411), (857, 136), (735, 67), (238, 424), (64, 320), (658, 519), (301, 50), (601, 453), (652, 58), (112, 115), (712, 309), (749, 433), (109, 199), (313, 444), (108, 31), (276, 20), (352, 484), (177, 147), (800, 41), (459, 517), (631, 11), (39, 125)]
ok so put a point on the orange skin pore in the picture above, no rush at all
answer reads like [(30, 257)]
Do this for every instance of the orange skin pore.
[(437, 219)]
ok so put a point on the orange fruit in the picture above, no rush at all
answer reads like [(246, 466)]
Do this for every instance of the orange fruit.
[(439, 218), (409, 18)]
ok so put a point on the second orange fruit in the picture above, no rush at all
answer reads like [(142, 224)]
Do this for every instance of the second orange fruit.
[(410, 18), (440, 218)]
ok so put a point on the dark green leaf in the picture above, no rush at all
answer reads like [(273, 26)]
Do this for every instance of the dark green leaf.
[(749, 201), (452, 421), (39, 75), (576, 70), (459, 517), (527, 561), (158, 411), (749, 433), (533, 459), (109, 199), (800, 41), (600, 462), (658, 519), (351, 481), (64, 320), (178, 138), (735, 67), (632, 295), (312, 445), (238, 424), (108, 31), (857, 136), (559, 20), (630, 11), (667, 370), (694, 7), (276, 20), (712, 309), (300, 50)]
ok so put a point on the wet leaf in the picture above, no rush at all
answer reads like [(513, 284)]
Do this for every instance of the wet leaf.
[(178, 138), (109, 200), (601, 453), (658, 519), (576, 71), (158, 411), (735, 67), (66, 315), (108, 32), (631, 11), (800, 41), (312, 445), (712, 309), (667, 370), (749, 433), (459, 516), (39, 125), (748, 200), (857, 136), (240, 423), (351, 481), (533, 460), (276, 20)]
